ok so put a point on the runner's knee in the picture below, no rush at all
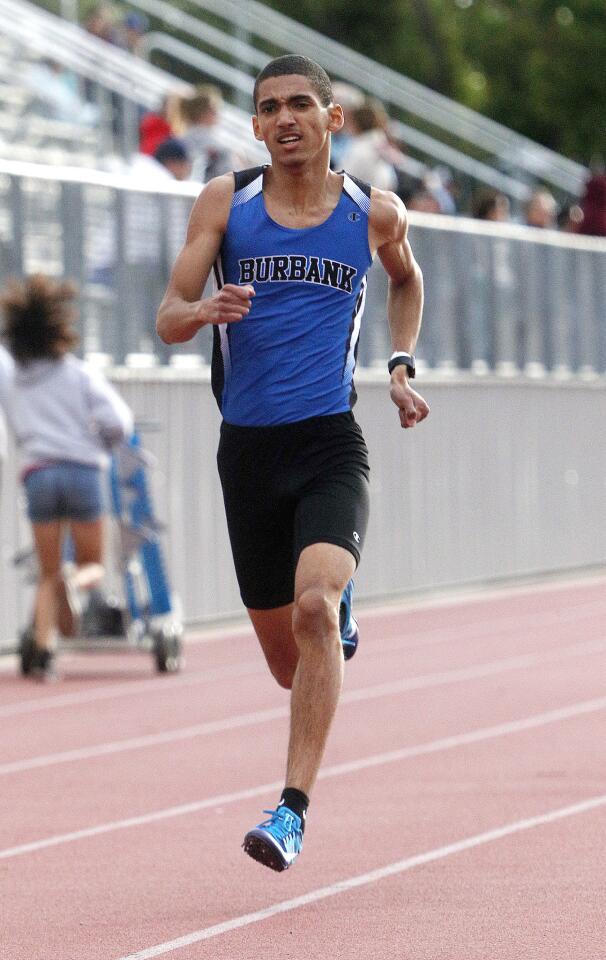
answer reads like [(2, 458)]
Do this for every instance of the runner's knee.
[(314, 617)]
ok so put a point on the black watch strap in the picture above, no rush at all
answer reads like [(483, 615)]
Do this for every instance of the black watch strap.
[(402, 359)]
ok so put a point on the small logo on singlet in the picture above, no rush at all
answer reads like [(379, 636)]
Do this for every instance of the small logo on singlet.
[(356, 536), (353, 216)]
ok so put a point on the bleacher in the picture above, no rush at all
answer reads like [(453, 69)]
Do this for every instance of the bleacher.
[(228, 43), (27, 131), (119, 85)]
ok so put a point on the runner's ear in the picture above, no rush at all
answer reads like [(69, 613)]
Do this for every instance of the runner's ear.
[(335, 117), (256, 129)]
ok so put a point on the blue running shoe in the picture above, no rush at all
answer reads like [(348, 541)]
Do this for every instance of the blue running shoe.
[(348, 625), (276, 842)]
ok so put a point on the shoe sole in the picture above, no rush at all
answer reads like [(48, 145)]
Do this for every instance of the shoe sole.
[(263, 852), (349, 649), (350, 645)]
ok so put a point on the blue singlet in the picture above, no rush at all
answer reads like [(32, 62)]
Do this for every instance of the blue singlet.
[(294, 355)]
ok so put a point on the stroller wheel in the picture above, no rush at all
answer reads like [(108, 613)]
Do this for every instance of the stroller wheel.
[(27, 651), (167, 650)]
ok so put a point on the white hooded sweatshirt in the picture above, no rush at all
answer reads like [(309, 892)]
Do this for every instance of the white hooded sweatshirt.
[(63, 410), (7, 369)]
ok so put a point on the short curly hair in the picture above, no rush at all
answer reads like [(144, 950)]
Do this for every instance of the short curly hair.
[(39, 314), (291, 63)]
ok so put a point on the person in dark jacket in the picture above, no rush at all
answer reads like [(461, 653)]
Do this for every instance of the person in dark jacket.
[(593, 206)]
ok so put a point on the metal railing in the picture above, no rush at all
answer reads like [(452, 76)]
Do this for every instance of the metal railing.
[(498, 297)]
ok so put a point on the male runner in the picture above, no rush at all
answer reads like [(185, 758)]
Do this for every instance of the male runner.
[(291, 244)]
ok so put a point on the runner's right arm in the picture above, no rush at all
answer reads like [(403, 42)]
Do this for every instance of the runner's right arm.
[(182, 313)]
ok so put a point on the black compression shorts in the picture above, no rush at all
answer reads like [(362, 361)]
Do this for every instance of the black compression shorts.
[(286, 487)]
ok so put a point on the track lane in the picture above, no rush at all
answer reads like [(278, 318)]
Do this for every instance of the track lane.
[(490, 914), (259, 713), (328, 771), (170, 873), (423, 806), (174, 772)]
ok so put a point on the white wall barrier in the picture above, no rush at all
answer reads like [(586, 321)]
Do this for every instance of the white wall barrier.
[(506, 478)]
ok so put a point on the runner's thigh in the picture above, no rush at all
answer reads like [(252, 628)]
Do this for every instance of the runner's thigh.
[(260, 518)]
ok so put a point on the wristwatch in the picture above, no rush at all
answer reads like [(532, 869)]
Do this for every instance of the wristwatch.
[(399, 358)]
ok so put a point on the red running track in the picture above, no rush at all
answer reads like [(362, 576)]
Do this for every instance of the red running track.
[(460, 812)]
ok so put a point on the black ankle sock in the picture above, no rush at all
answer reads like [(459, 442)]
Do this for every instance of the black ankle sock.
[(295, 800)]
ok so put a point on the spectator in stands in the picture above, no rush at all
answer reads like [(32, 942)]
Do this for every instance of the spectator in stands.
[(57, 95), (349, 98), (7, 368), (424, 201), (174, 157), (570, 218), (169, 161), (440, 182), (541, 210), (593, 206), (200, 114), (101, 23), (371, 155), (65, 417), (134, 28), (491, 205), (157, 125)]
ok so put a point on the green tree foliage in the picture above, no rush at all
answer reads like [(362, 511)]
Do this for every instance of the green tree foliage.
[(535, 65), (543, 67)]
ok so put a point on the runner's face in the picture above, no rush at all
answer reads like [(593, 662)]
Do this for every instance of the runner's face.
[(291, 120)]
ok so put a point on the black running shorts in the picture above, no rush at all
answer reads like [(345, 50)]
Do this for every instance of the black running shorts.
[(286, 487)]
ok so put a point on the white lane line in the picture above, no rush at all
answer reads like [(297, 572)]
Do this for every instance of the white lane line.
[(373, 876), (149, 740), (336, 770), (421, 637), (167, 814), (129, 688), (475, 672)]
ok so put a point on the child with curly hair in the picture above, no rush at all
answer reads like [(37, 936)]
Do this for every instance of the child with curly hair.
[(64, 416)]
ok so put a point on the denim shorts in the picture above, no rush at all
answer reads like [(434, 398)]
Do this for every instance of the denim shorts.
[(64, 491)]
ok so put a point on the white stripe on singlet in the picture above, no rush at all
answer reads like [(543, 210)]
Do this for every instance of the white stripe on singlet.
[(222, 327), (248, 192), (350, 363)]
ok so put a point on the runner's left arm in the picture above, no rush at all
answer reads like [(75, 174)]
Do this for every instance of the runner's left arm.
[(388, 235)]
